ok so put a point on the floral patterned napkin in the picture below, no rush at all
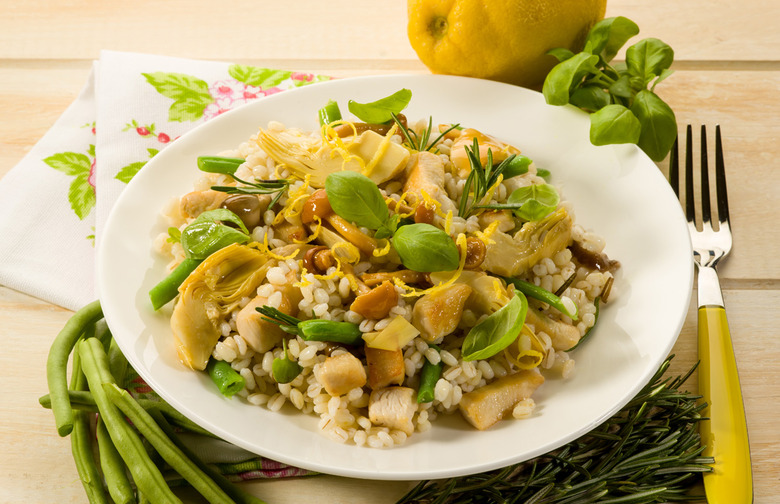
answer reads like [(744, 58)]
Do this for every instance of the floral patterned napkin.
[(54, 203)]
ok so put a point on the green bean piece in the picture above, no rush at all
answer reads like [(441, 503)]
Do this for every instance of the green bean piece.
[(167, 449), (227, 379), (285, 369), (168, 287), (329, 330), (148, 478), (235, 493), (57, 363), (588, 332), (543, 295), (81, 445), (114, 469), (329, 113), (429, 375), (219, 164), (117, 362)]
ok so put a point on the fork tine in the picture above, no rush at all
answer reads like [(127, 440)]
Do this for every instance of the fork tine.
[(720, 180), (706, 216), (690, 211), (674, 167)]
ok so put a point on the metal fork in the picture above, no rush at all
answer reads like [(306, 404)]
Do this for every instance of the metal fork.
[(724, 429)]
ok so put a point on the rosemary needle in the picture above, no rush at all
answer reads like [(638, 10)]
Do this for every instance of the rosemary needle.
[(650, 451)]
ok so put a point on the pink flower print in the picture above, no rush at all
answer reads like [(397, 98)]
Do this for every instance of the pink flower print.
[(271, 91), (299, 76), (91, 177)]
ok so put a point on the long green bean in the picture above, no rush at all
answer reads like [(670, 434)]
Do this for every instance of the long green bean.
[(80, 444), (114, 468), (235, 493), (429, 375), (168, 287), (543, 295), (57, 363), (147, 476), (164, 446)]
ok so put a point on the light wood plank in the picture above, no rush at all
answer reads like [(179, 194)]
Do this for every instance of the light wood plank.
[(231, 29)]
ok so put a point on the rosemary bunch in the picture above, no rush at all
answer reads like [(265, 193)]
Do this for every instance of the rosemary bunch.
[(648, 452)]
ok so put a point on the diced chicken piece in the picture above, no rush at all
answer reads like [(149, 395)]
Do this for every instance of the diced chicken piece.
[(340, 373), (393, 407), (487, 405), (505, 220), (261, 335), (460, 159), (385, 367), (437, 314), (195, 203), (425, 173), (563, 336)]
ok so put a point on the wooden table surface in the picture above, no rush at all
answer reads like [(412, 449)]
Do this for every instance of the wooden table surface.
[(727, 72)]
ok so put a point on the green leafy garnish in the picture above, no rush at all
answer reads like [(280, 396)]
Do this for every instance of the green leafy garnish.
[(356, 198), (228, 166), (622, 98), (497, 331), (207, 233), (426, 248), (482, 178), (382, 110), (530, 203)]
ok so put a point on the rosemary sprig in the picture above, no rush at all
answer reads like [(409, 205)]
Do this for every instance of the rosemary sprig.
[(480, 179), (278, 186), (422, 142), (650, 451)]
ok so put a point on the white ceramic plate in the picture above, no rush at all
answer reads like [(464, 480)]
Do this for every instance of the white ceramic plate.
[(616, 191)]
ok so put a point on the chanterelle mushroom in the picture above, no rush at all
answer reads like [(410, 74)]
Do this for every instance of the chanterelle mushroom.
[(393, 407), (215, 288)]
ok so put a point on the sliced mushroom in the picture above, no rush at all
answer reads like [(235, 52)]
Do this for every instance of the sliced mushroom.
[(426, 176), (196, 202), (406, 276), (340, 373), (385, 367), (393, 407), (438, 313), (376, 303), (563, 336), (485, 406)]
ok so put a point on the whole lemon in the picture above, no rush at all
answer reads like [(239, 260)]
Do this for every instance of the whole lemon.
[(503, 40)]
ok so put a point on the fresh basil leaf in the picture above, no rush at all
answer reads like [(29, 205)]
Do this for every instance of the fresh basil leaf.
[(666, 72), (561, 53), (497, 331), (425, 248), (356, 198), (659, 125), (201, 239), (221, 214), (219, 164), (608, 36), (590, 98), (518, 165), (567, 74), (648, 58), (544, 173), (534, 202), (614, 124), (174, 235), (622, 87), (382, 110)]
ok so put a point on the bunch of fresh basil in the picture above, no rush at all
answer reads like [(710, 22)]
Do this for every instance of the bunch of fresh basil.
[(621, 97)]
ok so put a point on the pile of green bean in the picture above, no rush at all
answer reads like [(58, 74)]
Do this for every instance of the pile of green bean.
[(124, 470)]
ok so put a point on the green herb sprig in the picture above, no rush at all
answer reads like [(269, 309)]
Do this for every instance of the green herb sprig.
[(422, 142), (482, 178), (621, 97), (648, 452), (228, 166)]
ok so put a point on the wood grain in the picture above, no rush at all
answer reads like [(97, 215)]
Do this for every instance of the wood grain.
[(727, 72)]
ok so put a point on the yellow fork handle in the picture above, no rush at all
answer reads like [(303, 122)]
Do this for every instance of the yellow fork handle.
[(725, 433)]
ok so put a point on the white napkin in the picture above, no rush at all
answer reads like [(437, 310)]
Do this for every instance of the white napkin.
[(54, 203)]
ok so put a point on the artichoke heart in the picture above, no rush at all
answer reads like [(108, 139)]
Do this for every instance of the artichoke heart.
[(488, 293), (369, 153), (214, 289), (512, 256)]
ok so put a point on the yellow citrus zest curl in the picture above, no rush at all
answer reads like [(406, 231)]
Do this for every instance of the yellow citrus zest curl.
[(379, 252), (487, 233), (411, 291), (527, 357)]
